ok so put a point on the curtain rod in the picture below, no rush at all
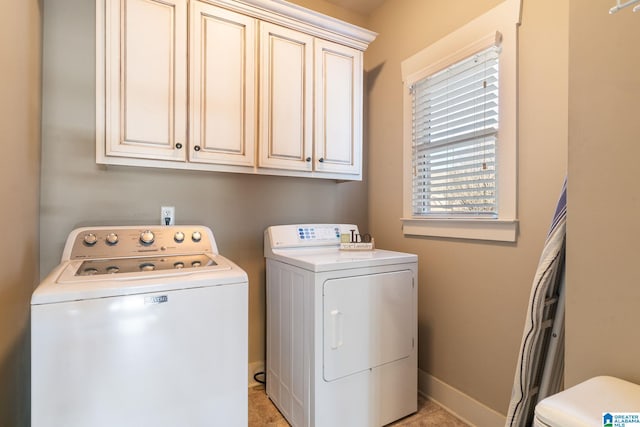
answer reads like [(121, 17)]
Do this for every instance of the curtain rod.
[(620, 6)]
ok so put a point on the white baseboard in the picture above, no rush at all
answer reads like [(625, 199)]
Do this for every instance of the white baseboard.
[(253, 368), (459, 404)]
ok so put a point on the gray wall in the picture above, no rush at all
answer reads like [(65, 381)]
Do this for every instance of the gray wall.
[(77, 192)]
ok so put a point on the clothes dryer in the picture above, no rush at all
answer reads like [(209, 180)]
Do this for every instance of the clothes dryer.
[(341, 329)]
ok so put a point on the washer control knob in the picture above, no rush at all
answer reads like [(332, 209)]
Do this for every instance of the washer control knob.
[(147, 237), (179, 236), (112, 238), (147, 266), (196, 236), (90, 239)]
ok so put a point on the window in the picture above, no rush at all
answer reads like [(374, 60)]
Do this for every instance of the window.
[(460, 132), (455, 126)]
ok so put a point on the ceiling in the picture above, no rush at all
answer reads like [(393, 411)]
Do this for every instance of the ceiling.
[(363, 7)]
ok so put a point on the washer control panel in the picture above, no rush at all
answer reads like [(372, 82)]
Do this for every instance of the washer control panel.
[(135, 241)]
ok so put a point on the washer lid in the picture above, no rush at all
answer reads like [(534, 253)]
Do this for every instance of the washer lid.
[(97, 267), (68, 282)]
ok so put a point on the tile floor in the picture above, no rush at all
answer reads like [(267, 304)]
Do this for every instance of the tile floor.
[(263, 413)]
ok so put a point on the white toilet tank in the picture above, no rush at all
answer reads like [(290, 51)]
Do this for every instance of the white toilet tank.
[(589, 403)]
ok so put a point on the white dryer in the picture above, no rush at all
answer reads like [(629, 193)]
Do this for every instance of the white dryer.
[(140, 326), (341, 329)]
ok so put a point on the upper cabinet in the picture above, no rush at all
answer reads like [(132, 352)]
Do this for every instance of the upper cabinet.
[(272, 88), (222, 81), (145, 80), (286, 98), (338, 108)]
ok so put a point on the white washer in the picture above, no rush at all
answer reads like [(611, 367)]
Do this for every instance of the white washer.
[(140, 326), (341, 329)]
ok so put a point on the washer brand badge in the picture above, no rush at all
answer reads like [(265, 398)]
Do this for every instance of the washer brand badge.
[(621, 419), (156, 300)]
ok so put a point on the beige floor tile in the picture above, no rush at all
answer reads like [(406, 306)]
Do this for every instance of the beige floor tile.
[(263, 413)]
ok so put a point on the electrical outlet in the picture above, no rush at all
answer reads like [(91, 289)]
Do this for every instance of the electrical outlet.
[(168, 215)]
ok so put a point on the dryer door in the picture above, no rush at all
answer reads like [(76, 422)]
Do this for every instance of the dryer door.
[(368, 321)]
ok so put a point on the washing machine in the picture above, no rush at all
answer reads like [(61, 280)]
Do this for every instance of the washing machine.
[(341, 328), (140, 326)]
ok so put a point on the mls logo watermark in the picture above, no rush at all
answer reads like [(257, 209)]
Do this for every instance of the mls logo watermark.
[(621, 419)]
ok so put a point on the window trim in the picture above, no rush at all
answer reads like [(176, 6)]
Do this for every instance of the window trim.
[(503, 21)]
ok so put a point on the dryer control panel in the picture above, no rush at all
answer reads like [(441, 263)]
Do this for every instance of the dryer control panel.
[(303, 235)]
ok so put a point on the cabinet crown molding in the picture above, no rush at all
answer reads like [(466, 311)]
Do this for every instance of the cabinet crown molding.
[(302, 19)]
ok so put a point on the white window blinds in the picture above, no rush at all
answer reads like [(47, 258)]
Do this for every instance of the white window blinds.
[(454, 138)]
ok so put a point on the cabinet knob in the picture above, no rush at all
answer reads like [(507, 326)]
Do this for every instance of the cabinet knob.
[(321, 159), (197, 148), (178, 146), (308, 159)]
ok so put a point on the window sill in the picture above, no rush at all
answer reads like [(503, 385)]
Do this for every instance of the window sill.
[(499, 230)]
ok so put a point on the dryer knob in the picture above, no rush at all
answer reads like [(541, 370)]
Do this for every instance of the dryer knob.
[(179, 236), (147, 237), (196, 236)]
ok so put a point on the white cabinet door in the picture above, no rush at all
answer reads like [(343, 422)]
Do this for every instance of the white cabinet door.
[(286, 98), (145, 79), (222, 84), (338, 122)]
